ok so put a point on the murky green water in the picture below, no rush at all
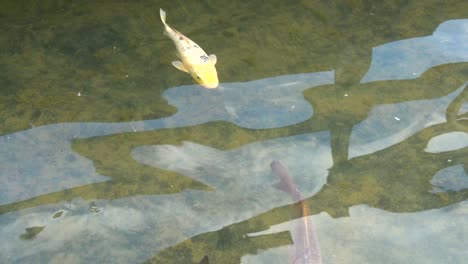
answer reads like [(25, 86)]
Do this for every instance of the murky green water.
[(108, 154)]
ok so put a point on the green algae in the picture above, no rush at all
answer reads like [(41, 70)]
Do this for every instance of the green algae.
[(115, 55), (117, 103), (31, 232), (58, 214)]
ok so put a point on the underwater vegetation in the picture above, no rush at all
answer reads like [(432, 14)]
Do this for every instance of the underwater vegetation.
[(366, 103)]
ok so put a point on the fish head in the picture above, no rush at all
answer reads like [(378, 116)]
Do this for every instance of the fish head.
[(206, 75), (278, 167)]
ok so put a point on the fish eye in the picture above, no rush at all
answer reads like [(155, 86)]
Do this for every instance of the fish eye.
[(198, 77)]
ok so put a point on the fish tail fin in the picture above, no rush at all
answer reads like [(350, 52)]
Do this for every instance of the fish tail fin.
[(162, 14)]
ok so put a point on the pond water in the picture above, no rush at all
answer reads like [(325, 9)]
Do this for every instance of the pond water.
[(108, 154)]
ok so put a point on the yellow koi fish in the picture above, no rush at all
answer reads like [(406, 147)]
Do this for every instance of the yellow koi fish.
[(194, 59)]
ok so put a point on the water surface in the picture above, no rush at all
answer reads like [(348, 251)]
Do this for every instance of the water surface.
[(110, 155)]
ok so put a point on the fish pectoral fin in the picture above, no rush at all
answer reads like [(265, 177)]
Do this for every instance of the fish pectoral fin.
[(281, 186), (180, 66), (213, 58)]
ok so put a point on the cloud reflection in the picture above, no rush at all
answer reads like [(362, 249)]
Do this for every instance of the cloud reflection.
[(371, 235), (452, 178), (390, 124), (447, 142), (242, 175), (409, 58), (43, 154)]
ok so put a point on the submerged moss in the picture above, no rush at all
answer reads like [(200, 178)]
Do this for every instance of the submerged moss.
[(55, 50), (31, 232), (115, 57), (58, 214)]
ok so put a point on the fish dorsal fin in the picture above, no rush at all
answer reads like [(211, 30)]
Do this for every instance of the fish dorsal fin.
[(213, 58), (180, 66)]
